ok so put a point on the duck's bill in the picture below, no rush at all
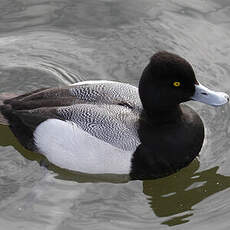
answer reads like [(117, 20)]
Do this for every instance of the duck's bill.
[(210, 97)]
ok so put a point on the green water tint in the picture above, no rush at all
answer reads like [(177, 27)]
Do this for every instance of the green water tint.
[(173, 196), (179, 192)]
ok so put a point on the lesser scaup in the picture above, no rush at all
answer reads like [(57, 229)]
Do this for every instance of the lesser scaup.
[(111, 127)]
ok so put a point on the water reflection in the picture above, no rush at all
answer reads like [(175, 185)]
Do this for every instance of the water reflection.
[(7, 138), (178, 193)]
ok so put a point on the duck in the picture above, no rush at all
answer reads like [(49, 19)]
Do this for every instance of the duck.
[(109, 127)]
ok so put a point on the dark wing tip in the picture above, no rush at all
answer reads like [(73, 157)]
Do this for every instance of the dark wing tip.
[(3, 98), (3, 120)]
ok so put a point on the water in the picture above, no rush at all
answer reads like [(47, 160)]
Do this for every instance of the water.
[(58, 42)]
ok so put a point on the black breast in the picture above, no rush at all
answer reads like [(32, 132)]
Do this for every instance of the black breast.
[(167, 147)]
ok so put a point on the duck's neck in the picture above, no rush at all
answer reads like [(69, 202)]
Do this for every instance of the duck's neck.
[(163, 115)]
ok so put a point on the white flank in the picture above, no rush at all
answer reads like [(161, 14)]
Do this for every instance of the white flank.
[(68, 146)]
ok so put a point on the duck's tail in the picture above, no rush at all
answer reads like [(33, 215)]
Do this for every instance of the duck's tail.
[(3, 97)]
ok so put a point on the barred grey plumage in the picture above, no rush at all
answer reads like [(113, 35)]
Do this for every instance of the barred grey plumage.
[(106, 108)]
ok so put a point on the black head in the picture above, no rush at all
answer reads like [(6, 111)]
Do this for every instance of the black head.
[(166, 81)]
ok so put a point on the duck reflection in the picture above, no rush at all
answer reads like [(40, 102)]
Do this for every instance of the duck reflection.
[(7, 138), (178, 193)]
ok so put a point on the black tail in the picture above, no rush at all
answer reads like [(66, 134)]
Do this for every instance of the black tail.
[(3, 121), (3, 97)]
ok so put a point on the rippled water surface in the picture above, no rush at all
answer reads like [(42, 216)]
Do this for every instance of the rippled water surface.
[(58, 42)]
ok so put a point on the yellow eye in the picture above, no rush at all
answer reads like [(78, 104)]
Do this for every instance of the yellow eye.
[(176, 83)]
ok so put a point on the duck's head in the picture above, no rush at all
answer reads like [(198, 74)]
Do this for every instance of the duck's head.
[(169, 80)]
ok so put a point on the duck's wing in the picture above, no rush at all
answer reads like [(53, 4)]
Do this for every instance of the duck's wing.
[(107, 92), (108, 111), (91, 92)]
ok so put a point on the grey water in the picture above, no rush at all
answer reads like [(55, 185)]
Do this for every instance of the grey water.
[(59, 42)]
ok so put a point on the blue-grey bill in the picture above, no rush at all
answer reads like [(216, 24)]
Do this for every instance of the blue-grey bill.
[(210, 97)]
